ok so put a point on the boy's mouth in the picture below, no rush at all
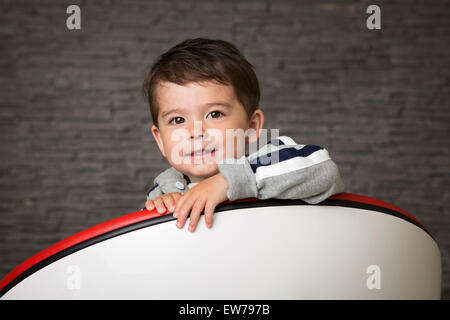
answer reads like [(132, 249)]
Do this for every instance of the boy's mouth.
[(202, 153)]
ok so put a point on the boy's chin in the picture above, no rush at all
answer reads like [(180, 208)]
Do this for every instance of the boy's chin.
[(204, 170)]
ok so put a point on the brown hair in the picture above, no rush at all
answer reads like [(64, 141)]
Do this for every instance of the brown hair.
[(202, 59)]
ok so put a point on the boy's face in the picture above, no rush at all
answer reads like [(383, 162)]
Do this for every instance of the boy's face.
[(192, 126)]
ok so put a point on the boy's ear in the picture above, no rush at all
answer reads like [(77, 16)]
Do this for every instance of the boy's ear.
[(157, 136), (256, 123)]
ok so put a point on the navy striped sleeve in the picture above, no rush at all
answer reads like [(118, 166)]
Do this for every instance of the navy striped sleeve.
[(283, 155)]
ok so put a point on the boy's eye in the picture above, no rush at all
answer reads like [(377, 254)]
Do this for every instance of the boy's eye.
[(176, 120), (214, 114)]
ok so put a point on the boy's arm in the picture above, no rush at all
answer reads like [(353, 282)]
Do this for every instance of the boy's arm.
[(168, 181), (154, 192), (282, 169)]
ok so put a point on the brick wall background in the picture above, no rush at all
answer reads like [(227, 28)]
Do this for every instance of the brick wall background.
[(75, 144)]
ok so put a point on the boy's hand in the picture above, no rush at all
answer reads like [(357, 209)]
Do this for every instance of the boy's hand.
[(205, 195), (167, 200)]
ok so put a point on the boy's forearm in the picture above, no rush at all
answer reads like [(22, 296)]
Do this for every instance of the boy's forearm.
[(312, 184), (168, 181), (304, 172), (240, 178)]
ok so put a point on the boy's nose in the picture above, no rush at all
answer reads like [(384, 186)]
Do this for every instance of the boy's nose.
[(197, 130)]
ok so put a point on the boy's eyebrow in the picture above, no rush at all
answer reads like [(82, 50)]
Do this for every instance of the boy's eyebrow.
[(166, 113), (218, 103)]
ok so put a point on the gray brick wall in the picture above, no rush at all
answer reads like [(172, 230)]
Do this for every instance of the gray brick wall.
[(75, 145)]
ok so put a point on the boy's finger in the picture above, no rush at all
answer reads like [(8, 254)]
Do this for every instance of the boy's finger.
[(180, 204), (195, 214), (159, 205), (209, 214), (176, 196), (149, 205), (183, 211), (169, 202)]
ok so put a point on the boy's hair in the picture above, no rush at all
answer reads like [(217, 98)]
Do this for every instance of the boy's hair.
[(202, 59)]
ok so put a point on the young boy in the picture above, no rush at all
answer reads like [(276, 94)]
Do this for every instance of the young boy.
[(203, 96)]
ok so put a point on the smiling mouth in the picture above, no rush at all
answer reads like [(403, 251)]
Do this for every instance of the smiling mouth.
[(201, 153)]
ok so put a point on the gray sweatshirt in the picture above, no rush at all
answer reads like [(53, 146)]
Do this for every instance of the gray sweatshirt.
[(280, 169)]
